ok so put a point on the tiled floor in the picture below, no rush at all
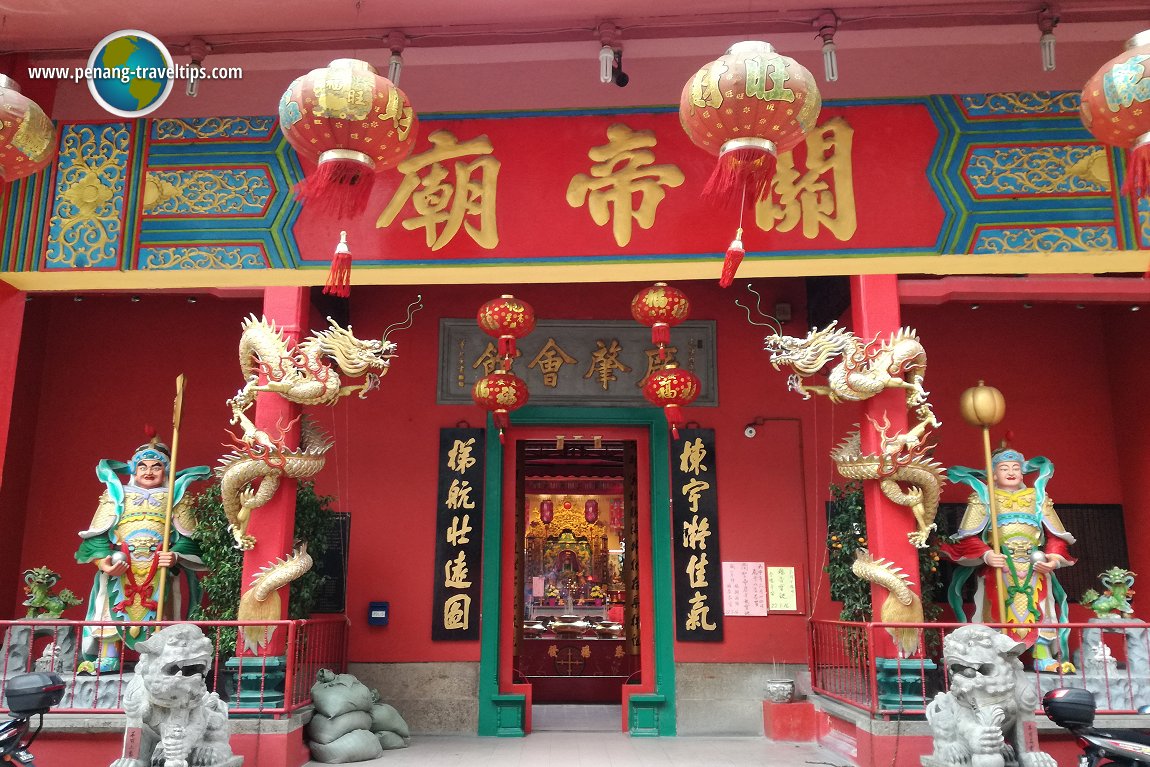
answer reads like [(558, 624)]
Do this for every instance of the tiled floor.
[(581, 749), (590, 736)]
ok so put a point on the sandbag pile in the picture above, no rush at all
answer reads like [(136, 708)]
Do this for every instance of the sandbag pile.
[(350, 724)]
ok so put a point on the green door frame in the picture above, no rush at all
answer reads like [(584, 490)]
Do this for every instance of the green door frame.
[(650, 714)]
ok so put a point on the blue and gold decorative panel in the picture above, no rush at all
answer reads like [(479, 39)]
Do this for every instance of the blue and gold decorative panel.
[(175, 129), (1017, 173), (1015, 106), (1046, 239), (24, 221), (1038, 169), (87, 222), (202, 257), (207, 192)]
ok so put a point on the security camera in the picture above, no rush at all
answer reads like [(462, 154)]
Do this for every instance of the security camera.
[(750, 431)]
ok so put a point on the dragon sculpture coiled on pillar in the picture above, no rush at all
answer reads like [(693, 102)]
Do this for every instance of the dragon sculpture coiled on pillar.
[(858, 371), (307, 373)]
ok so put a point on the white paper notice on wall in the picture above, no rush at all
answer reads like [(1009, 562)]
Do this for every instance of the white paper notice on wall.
[(537, 586), (781, 583), (744, 588)]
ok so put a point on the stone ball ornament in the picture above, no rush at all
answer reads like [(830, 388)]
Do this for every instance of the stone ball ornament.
[(353, 124), (1116, 109)]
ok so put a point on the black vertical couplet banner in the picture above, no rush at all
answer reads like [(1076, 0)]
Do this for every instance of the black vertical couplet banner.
[(458, 535), (695, 537)]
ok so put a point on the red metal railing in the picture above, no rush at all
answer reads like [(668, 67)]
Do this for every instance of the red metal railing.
[(251, 684), (853, 663)]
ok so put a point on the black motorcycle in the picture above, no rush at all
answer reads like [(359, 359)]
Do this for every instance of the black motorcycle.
[(1073, 709), (27, 695)]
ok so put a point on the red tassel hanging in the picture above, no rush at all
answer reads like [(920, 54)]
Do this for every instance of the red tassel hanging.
[(734, 257), (661, 336), (753, 166), (1138, 169), (506, 346), (674, 418), (339, 276), (339, 187)]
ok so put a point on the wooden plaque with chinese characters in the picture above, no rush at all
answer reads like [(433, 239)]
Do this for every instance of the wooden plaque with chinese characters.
[(577, 362), (695, 537), (458, 535)]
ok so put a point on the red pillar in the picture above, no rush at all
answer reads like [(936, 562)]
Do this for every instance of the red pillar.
[(12, 320), (875, 312), (273, 524)]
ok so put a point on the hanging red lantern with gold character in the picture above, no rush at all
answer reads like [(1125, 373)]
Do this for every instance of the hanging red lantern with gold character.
[(27, 136), (591, 511), (1116, 109), (546, 511), (353, 124), (500, 393), (506, 318), (747, 107), (672, 389), (661, 308)]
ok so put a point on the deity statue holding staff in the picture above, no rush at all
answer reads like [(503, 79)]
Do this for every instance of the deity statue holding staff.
[(125, 543), (1032, 543)]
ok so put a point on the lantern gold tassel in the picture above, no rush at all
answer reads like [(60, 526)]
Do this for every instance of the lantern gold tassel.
[(735, 253), (339, 276)]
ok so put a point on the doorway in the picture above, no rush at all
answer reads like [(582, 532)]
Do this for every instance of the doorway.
[(577, 639), (505, 696)]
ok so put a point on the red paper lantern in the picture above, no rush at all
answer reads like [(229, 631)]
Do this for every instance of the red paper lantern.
[(546, 511), (1116, 109), (591, 511), (353, 124), (27, 136), (500, 393), (672, 389), (661, 308), (506, 318), (746, 107)]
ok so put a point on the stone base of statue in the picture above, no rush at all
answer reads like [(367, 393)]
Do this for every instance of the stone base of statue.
[(904, 684), (1124, 688), (59, 655)]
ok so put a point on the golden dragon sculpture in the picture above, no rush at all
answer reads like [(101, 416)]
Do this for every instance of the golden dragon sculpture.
[(261, 602), (307, 373), (901, 605), (301, 373), (866, 368), (858, 371), (902, 460), (250, 474)]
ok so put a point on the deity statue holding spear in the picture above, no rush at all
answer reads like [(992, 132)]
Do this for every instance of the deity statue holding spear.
[(141, 531)]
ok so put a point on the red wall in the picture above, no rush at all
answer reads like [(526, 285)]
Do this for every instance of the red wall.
[(110, 366), (97, 393)]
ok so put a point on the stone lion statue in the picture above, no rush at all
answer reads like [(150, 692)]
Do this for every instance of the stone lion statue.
[(980, 721), (172, 719)]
